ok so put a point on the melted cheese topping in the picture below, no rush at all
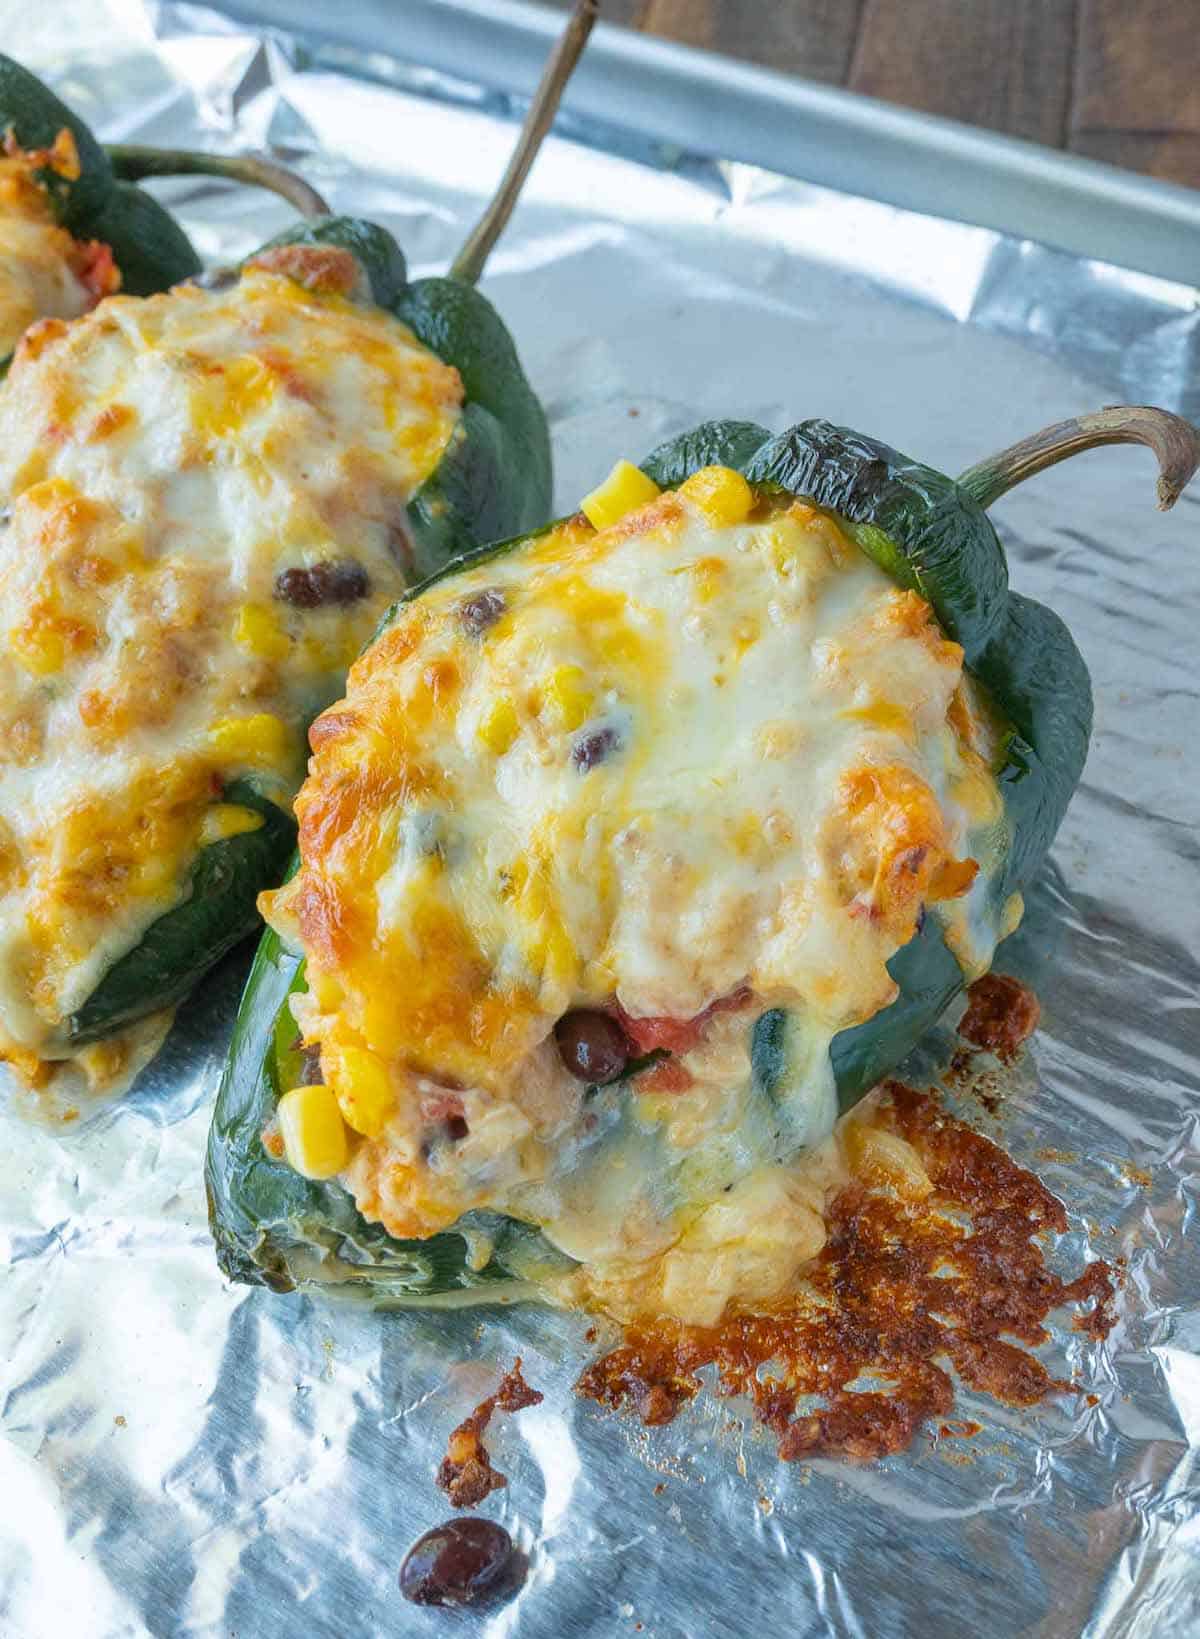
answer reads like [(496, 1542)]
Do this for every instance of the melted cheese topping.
[(44, 272), (162, 463), (686, 772)]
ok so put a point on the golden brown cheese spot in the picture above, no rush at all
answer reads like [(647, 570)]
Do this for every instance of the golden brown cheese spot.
[(101, 857), (888, 849), (166, 465), (326, 270), (536, 798)]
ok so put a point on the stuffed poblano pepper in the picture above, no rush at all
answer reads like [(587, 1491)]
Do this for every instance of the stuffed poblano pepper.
[(209, 498), (638, 849), (74, 227)]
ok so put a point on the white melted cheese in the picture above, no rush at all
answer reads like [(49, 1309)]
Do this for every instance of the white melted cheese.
[(162, 463), (780, 776)]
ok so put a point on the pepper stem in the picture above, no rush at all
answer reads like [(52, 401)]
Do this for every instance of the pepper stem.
[(1174, 441), (132, 162), (469, 263)]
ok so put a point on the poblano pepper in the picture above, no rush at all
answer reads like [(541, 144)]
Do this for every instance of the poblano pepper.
[(492, 478), (93, 194), (927, 532)]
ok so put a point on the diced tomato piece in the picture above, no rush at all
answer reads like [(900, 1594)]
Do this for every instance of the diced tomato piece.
[(679, 1035), (98, 272)]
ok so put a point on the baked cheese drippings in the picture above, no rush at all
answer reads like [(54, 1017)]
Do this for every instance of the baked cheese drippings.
[(204, 516), (675, 771)]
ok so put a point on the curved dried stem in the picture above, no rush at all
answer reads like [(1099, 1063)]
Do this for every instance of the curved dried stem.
[(469, 263), (1174, 441), (133, 162)]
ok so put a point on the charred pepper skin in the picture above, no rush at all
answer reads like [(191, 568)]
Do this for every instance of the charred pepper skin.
[(928, 533)]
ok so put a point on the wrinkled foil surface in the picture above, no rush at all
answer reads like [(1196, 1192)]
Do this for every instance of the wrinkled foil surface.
[(181, 1457)]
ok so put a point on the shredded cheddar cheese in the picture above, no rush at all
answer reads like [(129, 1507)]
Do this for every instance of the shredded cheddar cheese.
[(701, 763), (204, 516)]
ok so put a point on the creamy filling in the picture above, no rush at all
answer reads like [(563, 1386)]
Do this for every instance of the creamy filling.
[(38, 279)]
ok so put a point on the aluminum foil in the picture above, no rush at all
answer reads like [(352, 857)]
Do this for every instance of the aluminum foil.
[(182, 1457)]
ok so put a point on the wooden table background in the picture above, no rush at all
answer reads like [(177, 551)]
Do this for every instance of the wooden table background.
[(1118, 80)]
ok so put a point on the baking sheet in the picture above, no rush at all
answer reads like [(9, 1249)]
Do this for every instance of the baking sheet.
[(180, 1457)]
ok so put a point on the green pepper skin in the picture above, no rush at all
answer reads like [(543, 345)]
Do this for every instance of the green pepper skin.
[(495, 478), (273, 1227), (35, 116), (925, 531), (217, 912), (148, 245)]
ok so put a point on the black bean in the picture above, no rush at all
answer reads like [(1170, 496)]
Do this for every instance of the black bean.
[(482, 610), (592, 1045), (456, 1128), (594, 747), (215, 278), (309, 586), (460, 1562)]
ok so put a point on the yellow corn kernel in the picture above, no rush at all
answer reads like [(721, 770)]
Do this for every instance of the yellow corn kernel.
[(568, 697), (625, 488), (888, 718), (262, 739), (245, 386), (361, 1086), (722, 495), (498, 727), (314, 1134), (227, 819), (256, 629), (39, 648)]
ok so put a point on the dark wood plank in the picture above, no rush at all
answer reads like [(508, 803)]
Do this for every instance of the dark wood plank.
[(1173, 156), (628, 12), (1113, 79), (1137, 86), (810, 37), (1004, 64)]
